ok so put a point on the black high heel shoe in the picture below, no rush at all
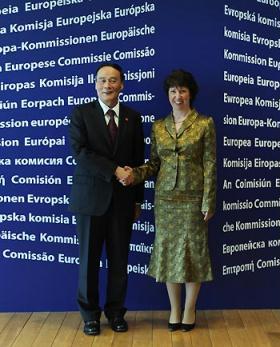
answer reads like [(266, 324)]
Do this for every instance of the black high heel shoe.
[(188, 327), (174, 326)]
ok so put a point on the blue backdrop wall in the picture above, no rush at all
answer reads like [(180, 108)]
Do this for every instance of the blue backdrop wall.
[(49, 51)]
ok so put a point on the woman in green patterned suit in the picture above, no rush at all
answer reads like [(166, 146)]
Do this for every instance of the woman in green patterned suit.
[(183, 158)]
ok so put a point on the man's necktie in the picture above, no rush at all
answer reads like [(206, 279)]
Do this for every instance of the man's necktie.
[(112, 126)]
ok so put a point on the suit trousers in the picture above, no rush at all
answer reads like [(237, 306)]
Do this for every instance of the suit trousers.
[(114, 230)]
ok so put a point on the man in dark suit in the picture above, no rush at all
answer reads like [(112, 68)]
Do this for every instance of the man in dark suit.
[(105, 135)]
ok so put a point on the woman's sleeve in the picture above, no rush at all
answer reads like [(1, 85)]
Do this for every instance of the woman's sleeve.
[(209, 166)]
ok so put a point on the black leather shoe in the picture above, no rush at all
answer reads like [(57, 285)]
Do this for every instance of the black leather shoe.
[(118, 324), (174, 326), (92, 327), (187, 327)]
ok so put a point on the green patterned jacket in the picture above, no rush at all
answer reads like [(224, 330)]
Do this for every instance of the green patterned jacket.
[(184, 163)]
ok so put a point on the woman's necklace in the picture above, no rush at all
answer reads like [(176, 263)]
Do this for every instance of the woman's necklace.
[(178, 123), (183, 119)]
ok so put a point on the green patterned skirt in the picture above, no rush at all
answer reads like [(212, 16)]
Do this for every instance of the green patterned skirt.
[(180, 252)]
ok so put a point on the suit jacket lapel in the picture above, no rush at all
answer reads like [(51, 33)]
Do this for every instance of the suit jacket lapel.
[(100, 123), (123, 122), (170, 126)]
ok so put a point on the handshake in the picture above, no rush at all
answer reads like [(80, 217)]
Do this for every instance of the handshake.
[(124, 175)]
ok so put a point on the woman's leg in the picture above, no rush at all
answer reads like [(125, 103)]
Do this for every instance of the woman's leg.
[(174, 293), (192, 291)]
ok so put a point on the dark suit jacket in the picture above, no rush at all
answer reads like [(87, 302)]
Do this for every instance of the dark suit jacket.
[(94, 183)]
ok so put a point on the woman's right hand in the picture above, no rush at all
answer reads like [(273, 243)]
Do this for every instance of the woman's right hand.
[(207, 215)]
